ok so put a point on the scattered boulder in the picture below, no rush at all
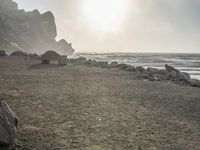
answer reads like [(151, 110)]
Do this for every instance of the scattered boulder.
[(179, 76), (8, 125), (182, 76)]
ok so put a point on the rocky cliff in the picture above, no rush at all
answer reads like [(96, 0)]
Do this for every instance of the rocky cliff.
[(29, 31)]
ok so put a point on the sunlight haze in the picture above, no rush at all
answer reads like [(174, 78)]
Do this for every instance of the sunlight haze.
[(125, 25)]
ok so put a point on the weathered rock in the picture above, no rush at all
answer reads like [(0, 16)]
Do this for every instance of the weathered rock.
[(172, 75), (140, 68), (182, 76), (194, 82), (170, 68), (8, 125), (2, 53)]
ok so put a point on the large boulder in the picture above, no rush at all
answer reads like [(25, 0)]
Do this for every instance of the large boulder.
[(183, 76), (170, 68), (8, 125)]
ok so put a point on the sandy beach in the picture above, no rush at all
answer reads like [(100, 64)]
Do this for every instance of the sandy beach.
[(78, 107)]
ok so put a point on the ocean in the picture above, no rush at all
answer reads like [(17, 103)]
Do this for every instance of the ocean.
[(189, 63)]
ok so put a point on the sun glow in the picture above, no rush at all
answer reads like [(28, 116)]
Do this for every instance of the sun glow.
[(105, 15)]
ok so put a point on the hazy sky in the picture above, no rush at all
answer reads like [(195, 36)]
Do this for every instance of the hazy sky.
[(125, 25)]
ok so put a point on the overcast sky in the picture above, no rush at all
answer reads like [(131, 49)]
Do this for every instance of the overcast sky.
[(140, 26)]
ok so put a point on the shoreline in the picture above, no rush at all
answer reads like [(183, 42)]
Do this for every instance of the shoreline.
[(81, 106)]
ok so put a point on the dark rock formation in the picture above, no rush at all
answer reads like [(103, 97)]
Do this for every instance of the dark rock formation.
[(176, 75), (8, 125), (140, 68), (30, 32), (3, 53), (170, 68)]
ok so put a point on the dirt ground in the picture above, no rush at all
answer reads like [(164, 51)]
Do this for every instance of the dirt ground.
[(84, 108)]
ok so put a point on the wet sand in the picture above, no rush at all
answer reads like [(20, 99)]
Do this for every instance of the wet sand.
[(77, 107)]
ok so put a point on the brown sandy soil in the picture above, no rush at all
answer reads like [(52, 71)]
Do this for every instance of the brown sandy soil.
[(80, 107)]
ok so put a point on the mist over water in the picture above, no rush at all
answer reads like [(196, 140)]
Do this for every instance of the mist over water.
[(189, 63)]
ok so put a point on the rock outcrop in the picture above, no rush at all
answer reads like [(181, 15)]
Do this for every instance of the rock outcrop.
[(3, 53), (8, 125), (30, 32)]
